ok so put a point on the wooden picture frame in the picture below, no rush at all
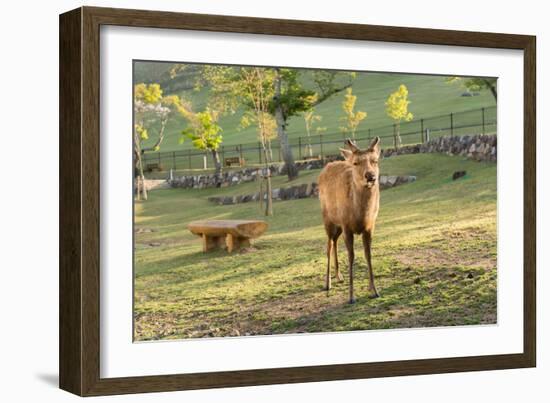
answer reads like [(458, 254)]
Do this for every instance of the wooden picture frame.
[(79, 346)]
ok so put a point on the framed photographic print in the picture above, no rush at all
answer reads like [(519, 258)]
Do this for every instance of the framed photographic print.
[(249, 201)]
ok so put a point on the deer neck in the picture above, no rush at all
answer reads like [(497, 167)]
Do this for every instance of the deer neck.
[(362, 193)]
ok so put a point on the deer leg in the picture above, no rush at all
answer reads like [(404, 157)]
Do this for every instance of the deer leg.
[(348, 238), (367, 240), (339, 276), (327, 278)]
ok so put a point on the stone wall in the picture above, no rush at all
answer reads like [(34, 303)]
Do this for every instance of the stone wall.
[(303, 191), (230, 178), (478, 147), (152, 184)]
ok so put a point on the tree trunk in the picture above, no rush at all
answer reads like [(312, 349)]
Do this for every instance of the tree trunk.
[(492, 87), (286, 151), (141, 190), (269, 198), (217, 166), (396, 136), (494, 92), (269, 201), (142, 180)]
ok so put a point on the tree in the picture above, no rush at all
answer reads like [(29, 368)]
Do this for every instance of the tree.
[(292, 98), (258, 91), (351, 118), (252, 88), (151, 113), (397, 108), (204, 133), (310, 118), (475, 84)]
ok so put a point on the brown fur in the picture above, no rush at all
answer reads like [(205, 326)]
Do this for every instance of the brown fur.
[(350, 197)]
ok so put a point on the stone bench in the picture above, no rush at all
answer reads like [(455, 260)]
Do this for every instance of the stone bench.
[(233, 234)]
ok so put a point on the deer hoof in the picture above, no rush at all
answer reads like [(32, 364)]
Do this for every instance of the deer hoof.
[(352, 301), (374, 294), (326, 288)]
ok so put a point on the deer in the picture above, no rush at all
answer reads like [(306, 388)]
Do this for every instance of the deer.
[(349, 194)]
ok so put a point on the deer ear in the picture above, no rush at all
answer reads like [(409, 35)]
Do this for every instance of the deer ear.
[(346, 153), (351, 145), (375, 145)]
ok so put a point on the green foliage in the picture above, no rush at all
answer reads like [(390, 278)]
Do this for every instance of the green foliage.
[(351, 118), (151, 113), (149, 94), (142, 132), (397, 105), (203, 131), (294, 98), (330, 82), (476, 84)]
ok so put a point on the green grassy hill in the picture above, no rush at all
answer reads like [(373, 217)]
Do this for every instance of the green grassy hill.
[(429, 96)]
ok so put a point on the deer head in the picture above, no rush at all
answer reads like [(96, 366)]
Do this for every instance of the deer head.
[(363, 163)]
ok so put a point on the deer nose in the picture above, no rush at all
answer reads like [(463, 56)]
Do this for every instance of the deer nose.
[(370, 177)]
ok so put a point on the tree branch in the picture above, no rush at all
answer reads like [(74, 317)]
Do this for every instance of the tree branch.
[(330, 93), (491, 86)]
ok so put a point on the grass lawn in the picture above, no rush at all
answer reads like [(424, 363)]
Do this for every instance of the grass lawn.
[(434, 260)]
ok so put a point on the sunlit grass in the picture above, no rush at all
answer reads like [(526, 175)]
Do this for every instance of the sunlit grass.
[(434, 260)]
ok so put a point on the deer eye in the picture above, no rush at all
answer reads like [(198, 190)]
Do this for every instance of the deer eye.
[(355, 163), (374, 162)]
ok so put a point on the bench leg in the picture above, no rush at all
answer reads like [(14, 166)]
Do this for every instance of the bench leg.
[(211, 242), (236, 243)]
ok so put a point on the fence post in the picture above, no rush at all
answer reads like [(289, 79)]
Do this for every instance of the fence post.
[(300, 148), (241, 153), (174, 160), (321, 146), (452, 125), (421, 130), (483, 120), (427, 135)]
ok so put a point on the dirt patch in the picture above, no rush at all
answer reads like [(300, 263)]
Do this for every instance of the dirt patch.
[(466, 247), (143, 230)]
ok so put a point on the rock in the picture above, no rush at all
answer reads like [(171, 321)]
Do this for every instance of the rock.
[(458, 174), (144, 230), (227, 200)]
